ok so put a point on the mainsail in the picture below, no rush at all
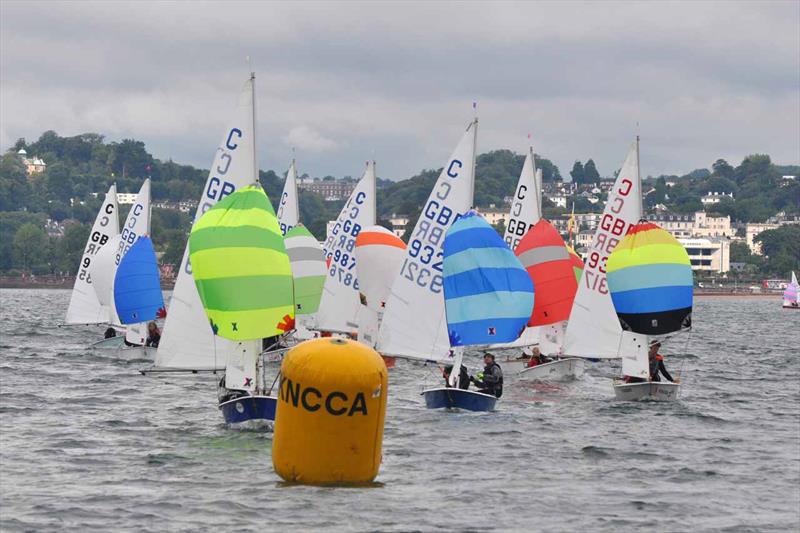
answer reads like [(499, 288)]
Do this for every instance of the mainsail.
[(289, 207), (338, 309), (414, 324), (137, 287), (650, 281), (84, 306), (187, 341), (243, 277), (593, 329), (379, 254), (526, 207)]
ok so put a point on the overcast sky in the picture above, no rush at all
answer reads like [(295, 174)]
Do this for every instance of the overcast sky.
[(344, 82)]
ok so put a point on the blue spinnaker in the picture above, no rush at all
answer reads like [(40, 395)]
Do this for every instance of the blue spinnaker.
[(137, 288)]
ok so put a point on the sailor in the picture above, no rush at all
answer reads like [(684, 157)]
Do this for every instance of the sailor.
[(490, 381), (537, 358), (657, 363), (153, 335), (463, 377)]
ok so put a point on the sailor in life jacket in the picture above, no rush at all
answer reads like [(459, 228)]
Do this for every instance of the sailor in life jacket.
[(490, 381), (657, 363)]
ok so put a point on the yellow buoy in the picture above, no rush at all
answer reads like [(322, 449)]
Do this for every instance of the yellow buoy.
[(330, 413)]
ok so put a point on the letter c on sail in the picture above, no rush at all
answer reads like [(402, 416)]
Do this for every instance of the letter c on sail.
[(450, 170), (228, 144)]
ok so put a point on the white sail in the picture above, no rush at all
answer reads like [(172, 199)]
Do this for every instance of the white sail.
[(526, 207), (379, 254), (635, 361), (289, 207), (102, 271), (593, 329), (240, 367), (552, 338), (338, 309), (84, 306), (414, 324), (187, 341)]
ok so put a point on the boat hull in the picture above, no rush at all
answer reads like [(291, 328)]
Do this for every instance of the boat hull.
[(111, 343), (790, 306), (653, 390), (449, 398), (247, 408), (559, 370)]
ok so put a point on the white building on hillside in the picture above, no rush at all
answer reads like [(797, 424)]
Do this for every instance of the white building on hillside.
[(126, 198), (708, 255)]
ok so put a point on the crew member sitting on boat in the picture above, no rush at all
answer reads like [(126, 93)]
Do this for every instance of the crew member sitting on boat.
[(656, 366), (153, 335), (463, 377), (490, 381), (110, 333), (538, 358)]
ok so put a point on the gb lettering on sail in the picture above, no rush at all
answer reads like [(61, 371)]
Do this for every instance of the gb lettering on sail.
[(526, 207), (593, 329), (414, 324), (339, 307), (187, 341)]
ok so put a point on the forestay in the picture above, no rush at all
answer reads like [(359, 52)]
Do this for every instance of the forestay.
[(414, 324), (339, 307), (289, 207), (593, 329), (84, 305), (187, 341), (487, 292), (137, 287)]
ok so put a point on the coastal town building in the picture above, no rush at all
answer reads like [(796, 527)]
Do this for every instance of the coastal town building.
[(715, 197), (708, 255), (33, 165), (126, 198), (399, 224), (698, 224), (330, 189)]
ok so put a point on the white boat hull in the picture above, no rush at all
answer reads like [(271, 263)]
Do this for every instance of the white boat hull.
[(559, 370), (664, 391), (512, 365)]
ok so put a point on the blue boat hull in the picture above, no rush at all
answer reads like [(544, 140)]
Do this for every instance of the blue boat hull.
[(248, 408), (448, 398)]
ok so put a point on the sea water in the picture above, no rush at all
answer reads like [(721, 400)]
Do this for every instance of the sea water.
[(88, 444)]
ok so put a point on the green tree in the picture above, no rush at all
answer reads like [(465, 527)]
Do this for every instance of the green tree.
[(14, 186), (722, 169), (577, 173), (31, 248), (590, 174), (68, 250)]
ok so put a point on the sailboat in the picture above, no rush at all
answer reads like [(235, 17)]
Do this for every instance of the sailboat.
[(548, 262), (309, 272), (650, 281), (187, 342), (244, 279), (379, 254), (488, 297), (414, 325), (289, 206), (593, 330), (339, 307), (103, 269), (791, 296), (84, 305)]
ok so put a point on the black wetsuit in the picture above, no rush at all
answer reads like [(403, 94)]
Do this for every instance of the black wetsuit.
[(492, 382), (656, 366)]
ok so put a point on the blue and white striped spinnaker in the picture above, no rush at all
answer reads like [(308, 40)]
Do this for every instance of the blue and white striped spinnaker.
[(488, 294)]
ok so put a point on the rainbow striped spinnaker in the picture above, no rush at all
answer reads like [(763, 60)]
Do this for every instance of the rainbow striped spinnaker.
[(241, 268), (487, 292), (650, 281)]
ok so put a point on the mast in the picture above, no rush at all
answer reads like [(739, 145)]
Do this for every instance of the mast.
[(639, 180), (537, 192), (475, 157), (253, 97)]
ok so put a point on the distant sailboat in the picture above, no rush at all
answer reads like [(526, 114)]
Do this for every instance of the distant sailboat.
[(339, 307), (414, 324), (84, 305), (791, 296), (137, 286), (379, 254), (289, 206), (244, 278), (593, 330), (104, 268), (650, 281), (548, 262), (187, 342), (488, 297)]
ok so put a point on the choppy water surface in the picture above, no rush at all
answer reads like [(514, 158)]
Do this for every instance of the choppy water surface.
[(89, 444)]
